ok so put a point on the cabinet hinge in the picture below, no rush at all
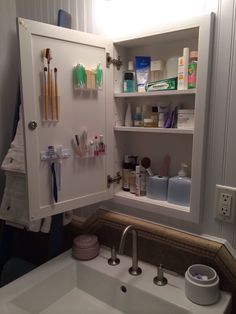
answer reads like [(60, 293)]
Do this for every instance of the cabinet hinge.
[(111, 180), (116, 62)]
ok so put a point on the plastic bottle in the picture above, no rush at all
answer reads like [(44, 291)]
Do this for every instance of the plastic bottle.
[(126, 173), (138, 118), (179, 188), (192, 69), (132, 174), (128, 116), (154, 116), (183, 70), (146, 113), (129, 79)]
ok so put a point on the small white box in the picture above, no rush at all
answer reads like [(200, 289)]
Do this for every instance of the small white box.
[(185, 119)]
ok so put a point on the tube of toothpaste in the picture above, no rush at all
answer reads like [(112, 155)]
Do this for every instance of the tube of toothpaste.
[(142, 66)]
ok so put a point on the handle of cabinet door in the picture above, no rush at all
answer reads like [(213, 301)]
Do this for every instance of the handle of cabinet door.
[(32, 125)]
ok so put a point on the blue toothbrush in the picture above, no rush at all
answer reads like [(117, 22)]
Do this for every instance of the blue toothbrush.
[(54, 182)]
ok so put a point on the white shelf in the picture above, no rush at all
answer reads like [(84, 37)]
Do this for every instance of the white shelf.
[(153, 130), (158, 93), (155, 206)]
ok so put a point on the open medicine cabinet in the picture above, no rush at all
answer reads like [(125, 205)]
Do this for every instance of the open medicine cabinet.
[(84, 180)]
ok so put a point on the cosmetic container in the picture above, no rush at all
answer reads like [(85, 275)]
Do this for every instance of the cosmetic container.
[(156, 70), (192, 69), (140, 181), (172, 67), (146, 115), (85, 247), (138, 117), (163, 112), (126, 173), (185, 119), (128, 116), (179, 188), (183, 70), (154, 116), (142, 67), (132, 174), (129, 79)]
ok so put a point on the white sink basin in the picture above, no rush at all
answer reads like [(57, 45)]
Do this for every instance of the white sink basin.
[(67, 286)]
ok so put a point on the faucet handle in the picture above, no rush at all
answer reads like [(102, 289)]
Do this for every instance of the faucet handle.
[(113, 260), (160, 280)]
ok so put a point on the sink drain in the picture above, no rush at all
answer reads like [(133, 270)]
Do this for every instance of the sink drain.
[(123, 289)]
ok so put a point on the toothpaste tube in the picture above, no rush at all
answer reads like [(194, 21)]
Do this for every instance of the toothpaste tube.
[(142, 66), (168, 84)]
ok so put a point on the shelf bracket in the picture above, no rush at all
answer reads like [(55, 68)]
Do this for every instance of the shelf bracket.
[(111, 180), (116, 62)]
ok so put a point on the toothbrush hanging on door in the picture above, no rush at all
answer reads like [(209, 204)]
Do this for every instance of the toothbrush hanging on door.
[(52, 155), (48, 56)]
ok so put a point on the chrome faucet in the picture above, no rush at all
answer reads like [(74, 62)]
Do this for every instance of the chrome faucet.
[(134, 270)]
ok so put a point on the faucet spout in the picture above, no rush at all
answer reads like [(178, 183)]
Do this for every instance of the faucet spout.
[(134, 270)]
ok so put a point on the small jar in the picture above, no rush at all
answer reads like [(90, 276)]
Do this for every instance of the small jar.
[(148, 123), (154, 116)]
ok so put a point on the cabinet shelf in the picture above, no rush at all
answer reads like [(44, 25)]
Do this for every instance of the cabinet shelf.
[(153, 130), (157, 93), (149, 204)]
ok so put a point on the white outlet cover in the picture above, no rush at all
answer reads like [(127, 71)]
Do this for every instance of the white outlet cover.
[(225, 203)]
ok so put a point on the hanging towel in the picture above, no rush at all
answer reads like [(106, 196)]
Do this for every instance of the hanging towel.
[(14, 206), (15, 157)]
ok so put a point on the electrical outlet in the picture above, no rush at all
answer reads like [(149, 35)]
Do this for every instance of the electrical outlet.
[(225, 203)]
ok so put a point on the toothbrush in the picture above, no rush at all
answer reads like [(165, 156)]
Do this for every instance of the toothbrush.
[(49, 57), (56, 94), (53, 100), (45, 100), (54, 182), (165, 166), (59, 150), (52, 155), (96, 146)]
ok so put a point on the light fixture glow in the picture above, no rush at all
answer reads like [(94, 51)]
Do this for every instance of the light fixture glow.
[(122, 18)]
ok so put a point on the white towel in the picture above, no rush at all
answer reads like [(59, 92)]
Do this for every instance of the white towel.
[(15, 157), (14, 206)]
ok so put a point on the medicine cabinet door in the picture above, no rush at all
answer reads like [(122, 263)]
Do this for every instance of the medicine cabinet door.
[(66, 110)]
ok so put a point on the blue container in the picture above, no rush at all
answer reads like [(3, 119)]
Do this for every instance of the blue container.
[(179, 188), (157, 187)]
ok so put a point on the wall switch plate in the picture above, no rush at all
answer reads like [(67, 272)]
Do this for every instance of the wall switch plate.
[(225, 203)]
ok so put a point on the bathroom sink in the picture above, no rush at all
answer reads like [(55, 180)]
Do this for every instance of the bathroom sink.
[(65, 285)]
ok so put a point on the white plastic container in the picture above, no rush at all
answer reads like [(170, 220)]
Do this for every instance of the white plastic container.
[(183, 70), (202, 284), (185, 119)]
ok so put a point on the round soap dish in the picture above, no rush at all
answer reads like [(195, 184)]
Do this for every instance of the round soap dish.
[(85, 247), (201, 284)]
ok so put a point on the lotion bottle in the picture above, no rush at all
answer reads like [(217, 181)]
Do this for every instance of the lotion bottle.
[(183, 70), (128, 116), (192, 69), (179, 188)]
